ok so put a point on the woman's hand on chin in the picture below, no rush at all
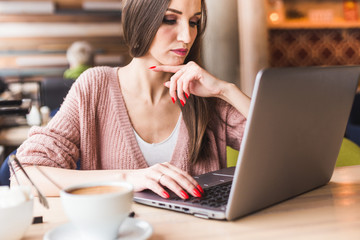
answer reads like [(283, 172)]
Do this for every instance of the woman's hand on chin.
[(191, 79), (165, 175)]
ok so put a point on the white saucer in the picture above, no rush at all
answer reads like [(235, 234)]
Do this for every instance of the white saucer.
[(131, 229)]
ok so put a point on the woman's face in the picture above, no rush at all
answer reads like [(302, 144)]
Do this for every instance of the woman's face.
[(177, 33)]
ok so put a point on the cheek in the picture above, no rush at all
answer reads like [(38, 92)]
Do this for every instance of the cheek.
[(162, 40), (194, 33), (165, 34)]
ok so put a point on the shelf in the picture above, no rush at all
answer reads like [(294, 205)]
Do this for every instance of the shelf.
[(41, 40), (26, 30), (70, 16), (306, 24)]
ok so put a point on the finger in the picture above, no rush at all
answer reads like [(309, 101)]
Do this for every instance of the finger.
[(157, 188), (173, 84), (172, 90), (167, 84), (166, 68), (176, 180), (186, 79), (173, 185), (180, 92), (186, 89), (158, 177), (185, 174)]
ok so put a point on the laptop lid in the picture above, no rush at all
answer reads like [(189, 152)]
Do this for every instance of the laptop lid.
[(293, 135)]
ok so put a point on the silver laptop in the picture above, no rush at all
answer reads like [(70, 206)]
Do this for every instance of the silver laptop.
[(291, 142)]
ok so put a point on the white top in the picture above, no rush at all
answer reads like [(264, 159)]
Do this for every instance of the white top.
[(159, 152)]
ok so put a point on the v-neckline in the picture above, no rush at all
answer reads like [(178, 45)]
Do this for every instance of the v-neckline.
[(125, 121)]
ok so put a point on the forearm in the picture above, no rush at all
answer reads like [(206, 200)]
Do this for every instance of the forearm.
[(234, 96), (66, 177)]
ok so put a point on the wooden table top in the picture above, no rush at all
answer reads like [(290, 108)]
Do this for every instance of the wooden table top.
[(329, 212)]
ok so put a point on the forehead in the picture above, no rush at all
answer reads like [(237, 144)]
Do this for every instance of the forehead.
[(186, 6)]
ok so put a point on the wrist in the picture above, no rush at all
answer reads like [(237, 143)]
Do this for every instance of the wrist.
[(122, 176), (226, 90)]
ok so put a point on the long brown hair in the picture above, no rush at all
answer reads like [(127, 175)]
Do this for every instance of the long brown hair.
[(141, 20)]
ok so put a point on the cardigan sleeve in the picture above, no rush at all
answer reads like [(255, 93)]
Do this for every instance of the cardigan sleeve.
[(234, 124), (226, 128), (57, 144)]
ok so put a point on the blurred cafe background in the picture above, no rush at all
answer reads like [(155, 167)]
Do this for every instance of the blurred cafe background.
[(242, 37)]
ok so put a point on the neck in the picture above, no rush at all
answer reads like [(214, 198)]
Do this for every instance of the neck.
[(144, 82)]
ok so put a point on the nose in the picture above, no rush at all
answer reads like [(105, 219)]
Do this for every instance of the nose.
[(184, 33)]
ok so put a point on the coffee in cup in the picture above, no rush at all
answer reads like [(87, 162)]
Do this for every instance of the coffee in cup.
[(97, 190), (98, 209)]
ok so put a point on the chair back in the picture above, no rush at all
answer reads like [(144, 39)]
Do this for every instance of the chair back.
[(53, 91), (5, 171), (353, 126)]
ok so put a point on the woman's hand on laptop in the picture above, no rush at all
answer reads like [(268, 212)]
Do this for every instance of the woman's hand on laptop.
[(166, 175)]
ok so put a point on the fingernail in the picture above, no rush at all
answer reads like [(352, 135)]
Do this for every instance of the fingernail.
[(196, 193), (184, 194), (200, 188), (186, 95), (173, 100), (165, 194), (182, 102), (152, 67)]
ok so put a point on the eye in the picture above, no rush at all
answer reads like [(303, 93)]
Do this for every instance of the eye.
[(170, 20), (194, 23)]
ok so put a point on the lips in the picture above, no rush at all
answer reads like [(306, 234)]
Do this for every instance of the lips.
[(180, 51)]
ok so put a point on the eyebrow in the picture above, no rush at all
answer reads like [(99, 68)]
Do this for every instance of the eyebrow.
[(179, 12)]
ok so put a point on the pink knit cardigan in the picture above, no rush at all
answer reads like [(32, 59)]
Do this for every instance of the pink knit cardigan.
[(93, 125)]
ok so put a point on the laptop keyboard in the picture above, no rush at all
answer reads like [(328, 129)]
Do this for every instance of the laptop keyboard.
[(215, 196)]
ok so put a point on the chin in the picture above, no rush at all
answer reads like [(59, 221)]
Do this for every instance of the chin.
[(176, 62), (173, 60)]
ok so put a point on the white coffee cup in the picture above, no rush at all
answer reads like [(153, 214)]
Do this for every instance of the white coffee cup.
[(98, 209)]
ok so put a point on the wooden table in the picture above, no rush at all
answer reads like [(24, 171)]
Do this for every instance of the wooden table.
[(330, 212), (14, 136)]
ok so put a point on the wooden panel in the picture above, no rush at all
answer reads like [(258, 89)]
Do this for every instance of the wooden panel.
[(15, 48), (68, 4), (71, 4), (56, 60), (49, 44), (27, 7), (20, 30), (41, 40), (71, 17)]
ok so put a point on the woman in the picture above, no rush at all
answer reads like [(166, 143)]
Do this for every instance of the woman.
[(80, 56), (122, 122)]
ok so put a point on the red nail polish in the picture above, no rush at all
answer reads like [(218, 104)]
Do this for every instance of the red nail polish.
[(182, 102), (200, 188), (196, 193), (184, 194), (186, 95), (152, 67), (165, 194), (173, 100)]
